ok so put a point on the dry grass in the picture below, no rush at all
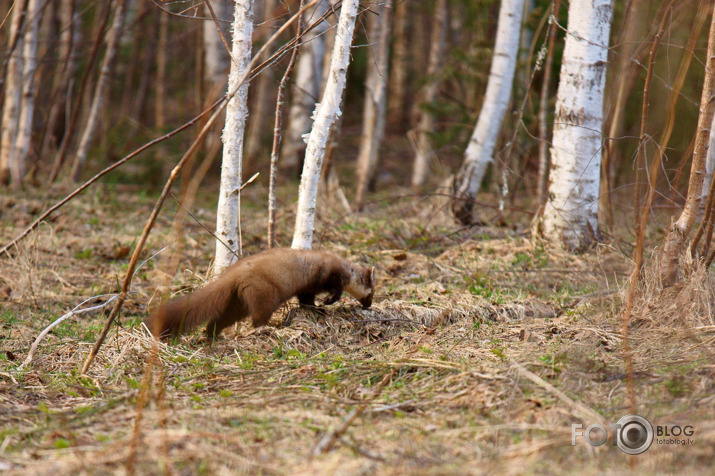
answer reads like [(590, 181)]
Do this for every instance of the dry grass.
[(460, 316)]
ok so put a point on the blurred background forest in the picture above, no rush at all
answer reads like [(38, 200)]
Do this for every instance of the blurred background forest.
[(158, 80)]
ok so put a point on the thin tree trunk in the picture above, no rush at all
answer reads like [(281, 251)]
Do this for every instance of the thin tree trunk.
[(264, 101), (99, 91), (69, 39), (570, 215), (325, 114), (13, 95), (373, 122), (525, 42), (18, 167), (216, 57), (306, 90), (426, 123), (228, 242), (397, 107), (75, 113), (277, 126), (543, 174), (627, 68), (147, 51), (710, 158), (677, 238), (480, 151), (159, 113)]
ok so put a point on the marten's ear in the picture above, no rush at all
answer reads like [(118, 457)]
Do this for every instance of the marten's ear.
[(372, 277)]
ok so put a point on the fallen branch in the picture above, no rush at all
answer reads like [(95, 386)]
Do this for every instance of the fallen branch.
[(64, 317), (578, 407), (75, 312)]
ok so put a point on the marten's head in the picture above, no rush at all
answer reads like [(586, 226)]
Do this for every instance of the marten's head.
[(361, 285)]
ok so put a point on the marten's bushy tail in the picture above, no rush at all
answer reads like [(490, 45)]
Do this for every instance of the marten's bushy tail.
[(184, 313)]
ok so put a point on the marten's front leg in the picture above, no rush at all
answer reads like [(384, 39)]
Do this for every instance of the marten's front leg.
[(334, 287), (306, 299)]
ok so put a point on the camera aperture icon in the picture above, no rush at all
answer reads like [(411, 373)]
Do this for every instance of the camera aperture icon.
[(634, 434)]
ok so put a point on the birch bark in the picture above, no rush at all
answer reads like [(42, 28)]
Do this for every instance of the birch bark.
[(570, 215), (324, 116), (228, 242), (480, 150), (709, 161)]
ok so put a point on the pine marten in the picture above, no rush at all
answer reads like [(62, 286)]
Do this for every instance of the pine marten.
[(259, 284)]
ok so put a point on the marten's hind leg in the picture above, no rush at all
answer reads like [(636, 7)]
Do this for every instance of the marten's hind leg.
[(234, 312), (214, 328), (262, 309)]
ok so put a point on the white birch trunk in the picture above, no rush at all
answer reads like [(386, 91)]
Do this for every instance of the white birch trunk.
[(228, 243), (570, 215), (216, 57), (426, 124), (306, 90), (105, 74), (480, 150), (13, 93), (18, 165), (324, 116), (373, 122)]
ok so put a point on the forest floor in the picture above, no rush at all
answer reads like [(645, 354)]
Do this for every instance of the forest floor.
[(481, 350)]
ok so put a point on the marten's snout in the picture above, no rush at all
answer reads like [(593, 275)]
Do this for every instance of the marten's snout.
[(366, 302)]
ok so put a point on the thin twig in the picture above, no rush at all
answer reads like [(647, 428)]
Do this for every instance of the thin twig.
[(280, 105), (641, 215)]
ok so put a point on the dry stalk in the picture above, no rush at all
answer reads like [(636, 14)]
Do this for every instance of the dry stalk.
[(641, 215)]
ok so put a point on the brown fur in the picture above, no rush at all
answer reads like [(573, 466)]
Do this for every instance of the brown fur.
[(258, 285)]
